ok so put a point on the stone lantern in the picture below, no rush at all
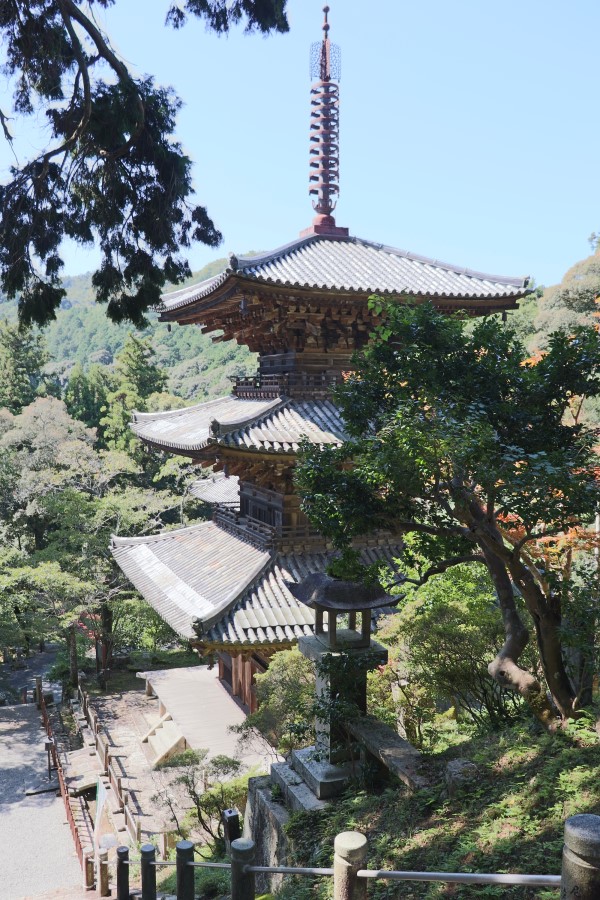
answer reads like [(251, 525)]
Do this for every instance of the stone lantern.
[(327, 767)]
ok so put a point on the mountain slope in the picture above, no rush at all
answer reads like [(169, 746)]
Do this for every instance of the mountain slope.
[(197, 368)]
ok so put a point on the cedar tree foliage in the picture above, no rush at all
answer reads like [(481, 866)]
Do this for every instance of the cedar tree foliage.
[(112, 172), (466, 446)]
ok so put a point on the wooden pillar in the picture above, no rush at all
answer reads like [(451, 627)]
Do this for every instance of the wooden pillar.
[(242, 882)]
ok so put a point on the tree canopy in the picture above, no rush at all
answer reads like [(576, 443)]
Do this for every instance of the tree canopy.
[(112, 173), (468, 448)]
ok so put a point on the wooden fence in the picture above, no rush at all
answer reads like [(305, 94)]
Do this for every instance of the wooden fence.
[(132, 821), (59, 771), (580, 876), (102, 748)]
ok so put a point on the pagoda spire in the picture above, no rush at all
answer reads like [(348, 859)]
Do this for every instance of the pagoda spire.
[(324, 134)]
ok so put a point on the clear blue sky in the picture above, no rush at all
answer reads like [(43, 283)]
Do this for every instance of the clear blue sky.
[(469, 130)]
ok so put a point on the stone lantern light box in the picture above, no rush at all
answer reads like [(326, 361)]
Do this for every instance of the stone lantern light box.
[(337, 597)]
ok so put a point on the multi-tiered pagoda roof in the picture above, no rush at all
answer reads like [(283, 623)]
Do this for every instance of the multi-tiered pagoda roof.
[(304, 309), (348, 267)]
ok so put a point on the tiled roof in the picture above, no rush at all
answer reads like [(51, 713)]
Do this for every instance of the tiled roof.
[(282, 429), (268, 613), (218, 488), (190, 573), (353, 264), (190, 428), (235, 592), (273, 426)]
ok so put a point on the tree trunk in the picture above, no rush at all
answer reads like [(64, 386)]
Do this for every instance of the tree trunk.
[(546, 614), (504, 668), (106, 618), (551, 655), (73, 663)]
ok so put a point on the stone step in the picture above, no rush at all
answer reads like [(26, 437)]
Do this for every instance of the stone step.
[(296, 793), (165, 744), (157, 724), (170, 730)]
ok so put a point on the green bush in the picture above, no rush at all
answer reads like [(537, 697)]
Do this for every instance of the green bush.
[(442, 641)]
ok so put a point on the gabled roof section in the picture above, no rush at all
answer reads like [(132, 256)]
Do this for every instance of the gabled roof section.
[(267, 426), (267, 613), (351, 264), (191, 574), (192, 428), (208, 583)]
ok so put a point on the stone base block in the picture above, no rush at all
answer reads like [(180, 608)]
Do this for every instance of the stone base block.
[(323, 778)]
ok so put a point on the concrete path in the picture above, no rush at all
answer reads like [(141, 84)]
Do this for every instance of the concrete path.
[(37, 854), (13, 680), (203, 710)]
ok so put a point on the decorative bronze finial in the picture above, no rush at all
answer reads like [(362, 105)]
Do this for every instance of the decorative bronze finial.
[(325, 50), (324, 133)]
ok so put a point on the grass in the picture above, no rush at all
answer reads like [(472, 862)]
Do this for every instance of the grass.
[(126, 680), (510, 819)]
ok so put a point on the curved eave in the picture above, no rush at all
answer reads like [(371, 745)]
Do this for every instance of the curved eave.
[(148, 426), (193, 574), (237, 286), (353, 268), (232, 450)]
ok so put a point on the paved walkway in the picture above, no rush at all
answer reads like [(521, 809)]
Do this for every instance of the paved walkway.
[(13, 680), (37, 854), (203, 710)]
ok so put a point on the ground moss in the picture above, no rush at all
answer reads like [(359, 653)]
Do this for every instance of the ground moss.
[(509, 820)]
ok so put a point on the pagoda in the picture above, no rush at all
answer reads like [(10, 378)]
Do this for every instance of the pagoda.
[(224, 584)]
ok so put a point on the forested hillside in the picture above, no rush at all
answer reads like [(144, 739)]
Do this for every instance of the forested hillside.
[(82, 333), (568, 304)]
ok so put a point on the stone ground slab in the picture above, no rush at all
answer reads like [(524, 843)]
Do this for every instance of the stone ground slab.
[(37, 853), (203, 710)]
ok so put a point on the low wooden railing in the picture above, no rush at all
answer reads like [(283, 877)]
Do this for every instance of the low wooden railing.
[(267, 536), (61, 778), (580, 875), (245, 526), (115, 781), (290, 384)]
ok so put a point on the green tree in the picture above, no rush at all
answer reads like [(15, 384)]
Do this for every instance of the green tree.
[(286, 696), (135, 368), (22, 357), (61, 498), (440, 642), (210, 786), (461, 441), (113, 172), (46, 602), (137, 378), (86, 393)]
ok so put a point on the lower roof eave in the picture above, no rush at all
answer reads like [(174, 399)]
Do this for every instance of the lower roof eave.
[(205, 645)]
